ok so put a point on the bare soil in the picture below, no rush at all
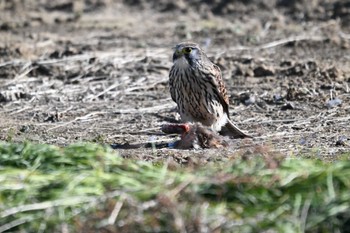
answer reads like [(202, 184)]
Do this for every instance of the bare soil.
[(97, 71)]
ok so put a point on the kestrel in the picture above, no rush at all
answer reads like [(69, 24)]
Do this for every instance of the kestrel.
[(196, 85)]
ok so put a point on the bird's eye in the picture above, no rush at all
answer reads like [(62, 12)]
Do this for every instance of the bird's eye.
[(187, 50)]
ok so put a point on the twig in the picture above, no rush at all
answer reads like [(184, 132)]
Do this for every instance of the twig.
[(281, 134), (15, 111), (345, 119), (15, 223), (45, 205), (66, 59), (102, 92), (180, 187), (118, 206), (77, 119), (14, 62), (344, 35), (27, 68), (304, 213), (291, 39), (275, 121), (142, 87), (280, 42), (61, 202), (145, 110)]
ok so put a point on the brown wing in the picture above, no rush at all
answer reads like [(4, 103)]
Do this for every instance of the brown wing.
[(222, 92), (171, 83)]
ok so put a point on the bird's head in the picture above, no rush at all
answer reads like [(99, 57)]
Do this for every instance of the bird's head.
[(187, 52)]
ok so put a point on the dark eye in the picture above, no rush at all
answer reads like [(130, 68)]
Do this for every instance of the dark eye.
[(187, 50)]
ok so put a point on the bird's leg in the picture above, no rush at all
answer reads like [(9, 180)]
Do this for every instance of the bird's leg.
[(181, 128)]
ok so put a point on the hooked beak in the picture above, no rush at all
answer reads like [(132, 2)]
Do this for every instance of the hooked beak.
[(177, 53)]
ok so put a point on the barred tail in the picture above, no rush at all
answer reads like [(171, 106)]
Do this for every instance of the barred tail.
[(231, 129)]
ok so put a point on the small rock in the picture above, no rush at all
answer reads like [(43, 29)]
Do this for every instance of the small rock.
[(26, 128), (341, 141), (3, 98), (238, 71), (247, 98), (302, 141), (277, 98), (334, 102), (250, 101), (288, 106), (286, 63), (263, 71)]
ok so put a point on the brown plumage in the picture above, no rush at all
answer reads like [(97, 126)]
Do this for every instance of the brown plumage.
[(196, 85)]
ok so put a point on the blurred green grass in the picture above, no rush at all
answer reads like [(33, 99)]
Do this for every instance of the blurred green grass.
[(90, 188)]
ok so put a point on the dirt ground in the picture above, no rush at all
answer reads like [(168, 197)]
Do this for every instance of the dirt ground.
[(97, 71)]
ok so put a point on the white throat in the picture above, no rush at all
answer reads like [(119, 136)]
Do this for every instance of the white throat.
[(182, 63)]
